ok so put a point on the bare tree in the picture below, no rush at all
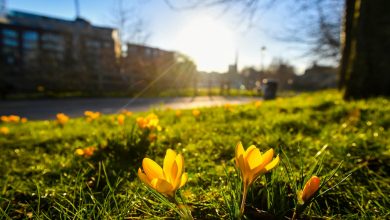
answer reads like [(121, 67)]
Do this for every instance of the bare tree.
[(131, 27), (365, 38), (314, 24)]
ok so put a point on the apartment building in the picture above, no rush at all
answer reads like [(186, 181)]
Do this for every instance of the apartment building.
[(58, 54)]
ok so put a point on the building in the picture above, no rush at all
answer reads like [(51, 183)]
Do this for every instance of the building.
[(57, 54), (317, 77), (251, 78), (144, 65)]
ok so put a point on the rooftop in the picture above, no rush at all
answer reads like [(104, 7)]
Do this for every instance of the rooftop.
[(51, 23)]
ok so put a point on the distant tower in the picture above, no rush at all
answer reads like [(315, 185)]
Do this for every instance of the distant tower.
[(236, 61), (233, 68)]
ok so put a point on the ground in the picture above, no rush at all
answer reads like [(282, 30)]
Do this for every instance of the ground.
[(75, 107), (43, 175)]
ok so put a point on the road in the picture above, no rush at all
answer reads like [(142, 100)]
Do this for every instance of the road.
[(75, 107)]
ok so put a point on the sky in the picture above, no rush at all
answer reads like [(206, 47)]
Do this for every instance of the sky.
[(212, 37)]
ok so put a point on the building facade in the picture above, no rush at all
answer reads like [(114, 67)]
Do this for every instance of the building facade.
[(144, 66), (57, 54), (317, 77)]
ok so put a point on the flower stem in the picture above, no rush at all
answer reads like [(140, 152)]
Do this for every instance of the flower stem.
[(184, 212), (243, 200), (294, 215)]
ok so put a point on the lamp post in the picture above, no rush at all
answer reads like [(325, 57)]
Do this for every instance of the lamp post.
[(76, 2), (263, 49)]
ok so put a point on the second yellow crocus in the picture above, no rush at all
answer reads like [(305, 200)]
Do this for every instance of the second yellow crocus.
[(253, 164)]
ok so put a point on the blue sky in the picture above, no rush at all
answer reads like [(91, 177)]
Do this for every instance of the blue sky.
[(166, 26)]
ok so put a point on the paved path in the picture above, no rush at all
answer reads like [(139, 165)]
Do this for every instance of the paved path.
[(75, 107)]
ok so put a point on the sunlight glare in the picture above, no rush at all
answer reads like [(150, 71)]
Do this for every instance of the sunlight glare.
[(209, 43)]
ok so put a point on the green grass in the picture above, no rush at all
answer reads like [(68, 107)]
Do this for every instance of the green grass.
[(41, 177)]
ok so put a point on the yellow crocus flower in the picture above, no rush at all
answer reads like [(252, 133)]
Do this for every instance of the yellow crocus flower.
[(86, 152), (79, 152), (311, 187), (90, 115), (152, 137), (152, 121), (62, 118), (258, 104), (149, 122), (141, 122), (10, 118), (178, 113), (196, 113), (121, 119), (4, 118), (164, 180), (14, 118), (127, 113), (228, 106), (4, 130)]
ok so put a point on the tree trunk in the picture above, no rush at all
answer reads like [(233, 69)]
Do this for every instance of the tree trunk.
[(365, 65), (346, 44)]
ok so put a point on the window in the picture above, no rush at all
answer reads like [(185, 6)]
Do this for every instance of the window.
[(53, 44), (10, 33), (30, 46), (148, 52), (30, 40), (10, 45), (93, 44), (132, 50), (93, 52), (107, 44), (10, 38)]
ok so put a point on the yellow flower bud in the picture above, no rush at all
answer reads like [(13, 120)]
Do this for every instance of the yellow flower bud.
[(309, 190)]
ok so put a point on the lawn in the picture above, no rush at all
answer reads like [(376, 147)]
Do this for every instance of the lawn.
[(48, 172)]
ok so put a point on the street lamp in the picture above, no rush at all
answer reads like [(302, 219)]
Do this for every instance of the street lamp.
[(263, 49)]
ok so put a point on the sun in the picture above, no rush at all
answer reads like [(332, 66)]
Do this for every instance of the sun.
[(208, 42)]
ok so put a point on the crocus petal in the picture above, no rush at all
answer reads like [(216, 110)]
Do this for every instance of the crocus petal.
[(174, 172), (272, 164), (239, 149), (183, 180), (169, 159), (250, 148), (162, 186), (152, 169), (254, 158), (180, 165), (264, 168), (265, 165), (243, 167), (310, 188), (143, 177), (267, 156)]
